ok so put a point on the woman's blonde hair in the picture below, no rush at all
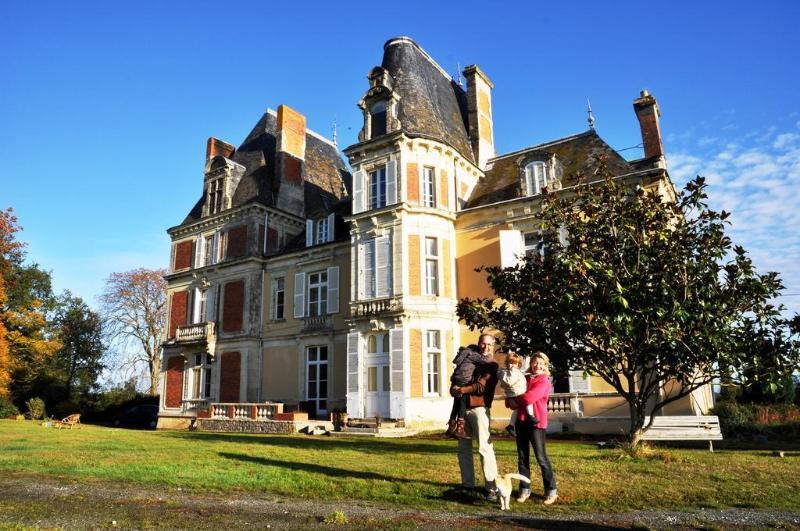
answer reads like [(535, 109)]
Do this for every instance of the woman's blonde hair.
[(513, 359), (542, 356)]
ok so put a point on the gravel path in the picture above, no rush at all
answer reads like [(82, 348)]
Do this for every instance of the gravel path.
[(50, 503)]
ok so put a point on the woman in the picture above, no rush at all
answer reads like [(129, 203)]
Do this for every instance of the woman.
[(531, 431)]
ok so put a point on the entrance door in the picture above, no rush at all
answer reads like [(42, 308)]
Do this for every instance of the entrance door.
[(317, 378), (377, 377)]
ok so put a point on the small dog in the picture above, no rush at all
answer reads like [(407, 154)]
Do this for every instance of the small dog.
[(504, 488)]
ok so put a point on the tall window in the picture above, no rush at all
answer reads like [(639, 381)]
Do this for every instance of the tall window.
[(433, 356), (378, 116), (201, 376), (208, 250), (377, 268), (215, 196), (431, 266), (317, 377), (428, 187), (536, 177), (318, 293), (377, 188), (322, 230), (202, 307), (378, 371), (278, 298)]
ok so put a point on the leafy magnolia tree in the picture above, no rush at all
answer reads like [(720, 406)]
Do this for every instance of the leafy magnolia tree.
[(134, 308), (643, 292), (78, 362)]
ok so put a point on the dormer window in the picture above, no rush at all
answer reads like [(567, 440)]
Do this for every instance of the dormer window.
[(215, 188), (319, 230), (378, 119), (536, 177)]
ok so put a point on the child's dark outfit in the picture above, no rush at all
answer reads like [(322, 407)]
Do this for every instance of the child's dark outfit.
[(467, 359)]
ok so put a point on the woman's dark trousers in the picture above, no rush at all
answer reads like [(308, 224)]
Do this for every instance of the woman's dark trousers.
[(528, 435)]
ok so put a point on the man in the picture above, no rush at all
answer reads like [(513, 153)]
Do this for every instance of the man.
[(477, 420)]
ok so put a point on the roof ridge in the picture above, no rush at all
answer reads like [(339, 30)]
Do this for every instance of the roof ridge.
[(544, 144), (404, 39), (308, 131)]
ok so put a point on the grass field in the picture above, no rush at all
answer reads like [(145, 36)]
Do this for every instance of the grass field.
[(414, 472)]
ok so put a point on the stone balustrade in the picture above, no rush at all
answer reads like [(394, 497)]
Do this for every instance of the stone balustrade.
[(194, 333), (251, 411)]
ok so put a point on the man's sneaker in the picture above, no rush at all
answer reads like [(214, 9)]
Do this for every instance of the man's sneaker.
[(491, 495), (523, 496), (550, 500), (511, 431)]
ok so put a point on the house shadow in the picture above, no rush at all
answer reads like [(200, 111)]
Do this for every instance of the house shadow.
[(366, 445), (552, 524), (326, 471)]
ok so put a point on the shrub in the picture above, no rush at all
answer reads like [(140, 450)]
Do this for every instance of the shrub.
[(36, 408), (7, 409), (336, 518)]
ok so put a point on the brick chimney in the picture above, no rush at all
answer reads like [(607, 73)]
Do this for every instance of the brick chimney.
[(647, 112), (479, 114), (291, 153), (215, 147), (291, 132)]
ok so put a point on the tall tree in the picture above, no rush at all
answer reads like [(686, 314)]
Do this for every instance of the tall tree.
[(79, 360), (643, 292), (134, 308)]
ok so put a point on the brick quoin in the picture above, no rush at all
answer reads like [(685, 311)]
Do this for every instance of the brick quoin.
[(184, 251), (237, 241), (174, 382), (179, 311), (233, 308), (412, 174), (444, 190), (231, 364)]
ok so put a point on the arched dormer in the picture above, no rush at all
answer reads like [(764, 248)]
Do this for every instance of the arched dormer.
[(379, 106), (222, 176), (539, 171)]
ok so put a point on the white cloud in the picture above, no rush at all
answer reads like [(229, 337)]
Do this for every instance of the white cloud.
[(783, 140)]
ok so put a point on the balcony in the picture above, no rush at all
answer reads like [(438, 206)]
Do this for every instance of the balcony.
[(196, 333), (374, 307), (317, 322), (261, 411)]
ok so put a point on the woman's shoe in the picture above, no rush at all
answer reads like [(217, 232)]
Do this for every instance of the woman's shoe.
[(523, 496), (550, 500)]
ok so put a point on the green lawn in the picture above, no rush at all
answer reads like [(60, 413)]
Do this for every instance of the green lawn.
[(414, 472)]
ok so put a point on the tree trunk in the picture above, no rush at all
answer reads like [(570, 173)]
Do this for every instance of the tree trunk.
[(637, 422)]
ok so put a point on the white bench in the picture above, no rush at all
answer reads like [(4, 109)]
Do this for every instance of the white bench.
[(684, 428)]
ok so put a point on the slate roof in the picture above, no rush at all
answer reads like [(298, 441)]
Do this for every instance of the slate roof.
[(326, 175), (576, 154), (432, 105)]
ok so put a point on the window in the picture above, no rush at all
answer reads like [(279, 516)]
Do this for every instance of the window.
[(278, 298), (322, 230), (317, 377), (376, 278), (202, 307), (208, 250), (318, 293), (377, 188), (433, 356), (201, 376), (431, 266), (428, 187), (215, 196), (536, 177), (531, 244), (378, 116)]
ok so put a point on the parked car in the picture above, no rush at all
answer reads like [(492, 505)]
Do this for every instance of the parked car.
[(143, 416)]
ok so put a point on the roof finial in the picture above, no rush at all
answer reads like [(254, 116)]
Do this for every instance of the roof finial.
[(591, 116), (334, 131)]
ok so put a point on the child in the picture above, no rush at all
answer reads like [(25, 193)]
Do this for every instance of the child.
[(467, 359), (512, 380)]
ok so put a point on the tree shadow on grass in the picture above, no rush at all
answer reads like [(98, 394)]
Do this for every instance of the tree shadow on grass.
[(371, 445), (539, 522), (327, 471)]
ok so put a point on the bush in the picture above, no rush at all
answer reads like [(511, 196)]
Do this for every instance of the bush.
[(7, 409), (36, 408), (748, 420)]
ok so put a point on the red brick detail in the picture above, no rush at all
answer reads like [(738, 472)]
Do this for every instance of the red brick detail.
[(292, 169), (253, 412), (233, 307), (174, 382), (444, 190), (237, 241), (272, 239), (184, 252), (294, 415), (412, 175), (179, 311), (204, 413), (215, 147), (231, 364)]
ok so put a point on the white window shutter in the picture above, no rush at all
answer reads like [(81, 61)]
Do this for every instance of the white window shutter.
[(510, 248), (273, 300), (358, 192), (333, 289), (214, 247), (266, 233), (391, 182), (309, 232), (329, 236), (196, 317), (210, 301), (361, 269), (382, 269), (198, 251), (396, 361), (299, 295), (353, 368), (369, 269), (579, 384)]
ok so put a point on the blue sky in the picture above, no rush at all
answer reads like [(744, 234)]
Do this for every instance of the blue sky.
[(106, 106)]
